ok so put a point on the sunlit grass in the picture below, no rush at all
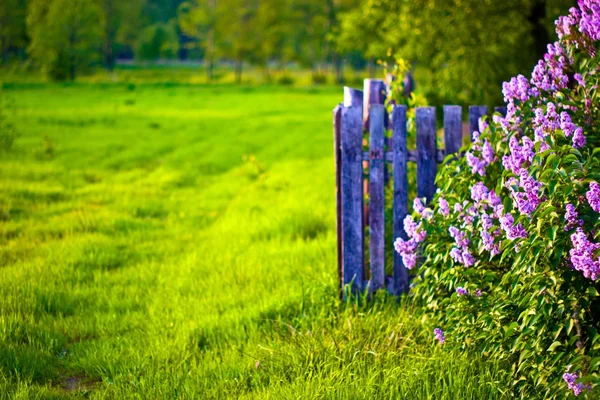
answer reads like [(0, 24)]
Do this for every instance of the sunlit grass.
[(179, 242)]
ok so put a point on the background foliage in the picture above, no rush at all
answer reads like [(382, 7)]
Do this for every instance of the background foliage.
[(467, 47)]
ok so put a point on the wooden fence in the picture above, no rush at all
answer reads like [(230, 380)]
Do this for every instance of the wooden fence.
[(364, 111)]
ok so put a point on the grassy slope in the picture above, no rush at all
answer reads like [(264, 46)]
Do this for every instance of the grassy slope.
[(178, 242)]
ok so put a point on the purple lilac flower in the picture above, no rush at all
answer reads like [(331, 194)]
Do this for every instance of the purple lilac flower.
[(407, 249), (517, 88), (460, 291), (458, 208), (566, 124), (489, 243), (421, 209), (579, 139), (483, 125), (494, 199), (439, 335), (593, 196), (589, 24), (582, 255), (467, 258), (414, 230), (477, 165), (519, 156), (579, 79), (487, 152), (459, 237), (571, 379), (478, 293), (549, 74), (507, 223), (572, 217), (479, 192), (443, 208)]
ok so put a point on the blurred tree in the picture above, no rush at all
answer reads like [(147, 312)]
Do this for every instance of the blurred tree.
[(198, 20), (236, 30), (158, 41), (66, 36), (121, 22), (13, 29), (470, 46)]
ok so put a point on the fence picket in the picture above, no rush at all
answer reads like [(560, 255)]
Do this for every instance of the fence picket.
[(501, 110), (452, 129), (352, 197), (337, 127), (352, 97), (400, 208), (376, 197), (351, 186), (476, 112), (426, 152)]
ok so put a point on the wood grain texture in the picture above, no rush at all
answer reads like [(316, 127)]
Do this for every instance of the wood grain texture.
[(452, 129), (376, 197), (374, 92), (426, 152), (337, 154), (352, 197), (400, 208), (476, 112)]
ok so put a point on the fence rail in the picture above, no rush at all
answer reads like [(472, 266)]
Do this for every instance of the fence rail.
[(357, 114)]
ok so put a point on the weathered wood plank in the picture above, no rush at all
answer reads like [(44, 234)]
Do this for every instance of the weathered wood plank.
[(476, 112), (400, 207), (376, 197), (412, 155), (352, 197), (426, 152), (337, 129), (452, 129), (374, 92), (352, 97)]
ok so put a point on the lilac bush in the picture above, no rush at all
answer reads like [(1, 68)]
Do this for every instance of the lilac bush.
[(513, 229)]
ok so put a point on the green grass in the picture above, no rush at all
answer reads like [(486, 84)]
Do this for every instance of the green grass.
[(177, 241)]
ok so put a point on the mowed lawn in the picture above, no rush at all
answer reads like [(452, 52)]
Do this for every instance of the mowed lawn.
[(178, 241)]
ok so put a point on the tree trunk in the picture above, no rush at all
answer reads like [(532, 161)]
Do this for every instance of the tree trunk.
[(370, 69), (339, 70), (109, 35), (209, 68), (238, 71)]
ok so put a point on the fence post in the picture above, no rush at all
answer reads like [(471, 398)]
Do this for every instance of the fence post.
[(352, 97), (374, 93), (376, 197), (352, 197), (337, 128), (426, 152), (400, 208), (452, 129), (476, 112), (501, 110)]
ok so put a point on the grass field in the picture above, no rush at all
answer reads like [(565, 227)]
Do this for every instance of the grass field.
[(178, 241)]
